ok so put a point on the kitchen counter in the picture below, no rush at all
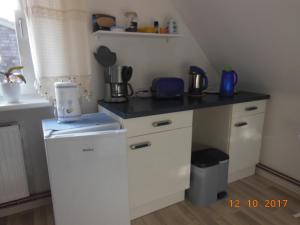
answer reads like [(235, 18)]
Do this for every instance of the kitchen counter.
[(158, 129), (139, 107)]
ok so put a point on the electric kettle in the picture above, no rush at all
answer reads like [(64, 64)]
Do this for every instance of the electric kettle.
[(198, 81), (228, 82)]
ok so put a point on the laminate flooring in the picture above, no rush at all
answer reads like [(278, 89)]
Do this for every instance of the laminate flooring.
[(255, 188)]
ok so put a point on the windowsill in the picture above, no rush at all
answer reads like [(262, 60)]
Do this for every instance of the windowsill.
[(26, 102)]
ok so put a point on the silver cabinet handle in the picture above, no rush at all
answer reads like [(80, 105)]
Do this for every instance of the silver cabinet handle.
[(88, 150), (162, 123), (241, 124), (251, 108), (140, 145)]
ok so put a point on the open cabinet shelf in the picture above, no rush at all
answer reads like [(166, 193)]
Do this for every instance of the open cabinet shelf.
[(100, 33)]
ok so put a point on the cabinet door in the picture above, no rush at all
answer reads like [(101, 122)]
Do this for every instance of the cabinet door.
[(159, 165), (245, 142), (88, 176)]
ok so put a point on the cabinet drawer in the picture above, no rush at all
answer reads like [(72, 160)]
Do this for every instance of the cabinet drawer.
[(245, 142), (158, 165), (153, 124), (248, 108)]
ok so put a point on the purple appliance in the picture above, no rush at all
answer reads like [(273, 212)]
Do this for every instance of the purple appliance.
[(167, 88)]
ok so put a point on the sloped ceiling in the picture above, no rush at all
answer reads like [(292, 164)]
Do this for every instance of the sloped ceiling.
[(260, 39)]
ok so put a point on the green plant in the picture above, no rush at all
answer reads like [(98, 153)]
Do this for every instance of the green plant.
[(13, 74)]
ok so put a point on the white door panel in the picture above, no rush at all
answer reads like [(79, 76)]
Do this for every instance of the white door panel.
[(245, 142), (159, 165), (89, 179)]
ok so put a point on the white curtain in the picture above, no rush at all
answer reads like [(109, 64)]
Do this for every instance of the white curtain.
[(58, 35)]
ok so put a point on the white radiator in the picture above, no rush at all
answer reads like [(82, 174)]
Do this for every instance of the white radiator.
[(13, 180)]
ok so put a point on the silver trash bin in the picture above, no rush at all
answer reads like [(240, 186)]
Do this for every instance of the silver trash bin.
[(209, 174)]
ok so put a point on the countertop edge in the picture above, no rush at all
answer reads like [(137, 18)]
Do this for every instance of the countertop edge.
[(177, 109)]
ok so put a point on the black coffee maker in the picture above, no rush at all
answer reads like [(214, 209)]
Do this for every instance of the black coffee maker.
[(117, 86)]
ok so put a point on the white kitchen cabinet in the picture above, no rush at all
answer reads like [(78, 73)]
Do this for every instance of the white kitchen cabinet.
[(160, 147), (245, 142), (159, 158), (246, 130), (235, 129), (159, 165)]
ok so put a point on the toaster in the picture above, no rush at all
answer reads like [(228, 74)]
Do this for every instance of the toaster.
[(167, 87)]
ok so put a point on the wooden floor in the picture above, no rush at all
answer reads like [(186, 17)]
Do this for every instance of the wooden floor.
[(184, 213)]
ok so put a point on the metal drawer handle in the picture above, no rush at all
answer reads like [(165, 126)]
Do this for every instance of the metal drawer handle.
[(251, 108), (241, 124), (88, 150), (140, 145), (161, 123)]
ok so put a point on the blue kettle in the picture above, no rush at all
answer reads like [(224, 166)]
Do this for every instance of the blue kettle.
[(228, 82)]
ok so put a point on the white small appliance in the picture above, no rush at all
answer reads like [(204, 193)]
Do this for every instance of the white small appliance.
[(67, 102), (88, 170)]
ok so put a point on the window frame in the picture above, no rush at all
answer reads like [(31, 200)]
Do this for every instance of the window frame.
[(24, 51)]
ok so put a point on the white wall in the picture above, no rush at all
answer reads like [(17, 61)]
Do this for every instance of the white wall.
[(260, 39), (33, 144), (149, 57)]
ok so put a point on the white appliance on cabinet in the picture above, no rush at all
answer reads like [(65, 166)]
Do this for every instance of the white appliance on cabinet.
[(67, 102), (87, 163)]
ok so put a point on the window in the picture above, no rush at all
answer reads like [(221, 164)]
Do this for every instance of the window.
[(14, 43)]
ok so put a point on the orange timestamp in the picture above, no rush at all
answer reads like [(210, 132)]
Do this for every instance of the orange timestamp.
[(254, 203)]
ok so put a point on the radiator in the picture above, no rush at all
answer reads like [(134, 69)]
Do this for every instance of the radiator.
[(13, 180)]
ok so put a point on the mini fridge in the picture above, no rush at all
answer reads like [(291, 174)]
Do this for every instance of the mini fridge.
[(87, 163)]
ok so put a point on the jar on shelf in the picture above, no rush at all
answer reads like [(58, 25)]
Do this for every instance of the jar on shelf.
[(172, 26), (132, 21)]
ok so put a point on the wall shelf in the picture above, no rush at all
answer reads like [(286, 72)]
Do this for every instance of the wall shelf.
[(100, 33)]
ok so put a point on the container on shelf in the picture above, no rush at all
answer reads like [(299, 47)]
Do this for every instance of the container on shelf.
[(172, 26)]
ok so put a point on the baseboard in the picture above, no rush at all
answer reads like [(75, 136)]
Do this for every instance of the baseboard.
[(156, 205), (24, 207), (25, 204), (278, 180), (234, 176)]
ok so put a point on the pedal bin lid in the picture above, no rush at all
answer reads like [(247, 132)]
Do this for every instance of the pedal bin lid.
[(208, 157)]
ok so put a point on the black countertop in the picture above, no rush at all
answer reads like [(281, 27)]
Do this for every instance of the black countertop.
[(138, 107)]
